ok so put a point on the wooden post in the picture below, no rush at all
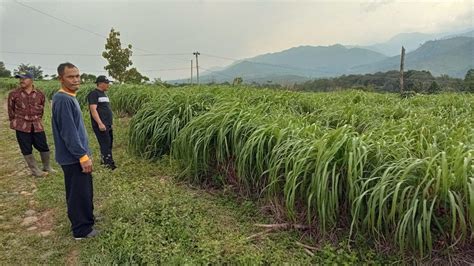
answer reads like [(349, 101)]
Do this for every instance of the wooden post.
[(402, 62), (191, 72), (197, 66)]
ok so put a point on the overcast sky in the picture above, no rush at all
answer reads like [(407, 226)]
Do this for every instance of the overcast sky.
[(231, 29)]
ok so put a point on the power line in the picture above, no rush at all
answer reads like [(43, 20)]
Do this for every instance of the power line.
[(59, 19), (165, 69), (161, 54), (95, 55), (103, 71), (228, 76), (48, 54), (217, 73), (54, 69), (92, 32), (148, 53), (221, 57)]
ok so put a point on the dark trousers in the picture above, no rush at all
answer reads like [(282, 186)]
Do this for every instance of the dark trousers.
[(105, 139), (79, 196), (27, 141)]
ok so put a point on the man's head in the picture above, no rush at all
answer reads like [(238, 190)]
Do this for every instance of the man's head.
[(103, 83), (26, 79), (69, 76)]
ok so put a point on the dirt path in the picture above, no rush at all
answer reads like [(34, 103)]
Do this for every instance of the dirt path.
[(16, 186), (24, 223)]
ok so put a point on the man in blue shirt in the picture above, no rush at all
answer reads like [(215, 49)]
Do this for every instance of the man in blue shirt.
[(73, 153)]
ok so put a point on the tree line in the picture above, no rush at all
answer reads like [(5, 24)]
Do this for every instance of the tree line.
[(415, 81)]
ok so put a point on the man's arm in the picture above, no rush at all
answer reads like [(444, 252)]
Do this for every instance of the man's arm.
[(42, 103), (96, 117), (93, 100)]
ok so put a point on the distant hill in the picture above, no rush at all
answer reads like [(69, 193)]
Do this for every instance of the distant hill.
[(454, 56), (469, 33), (412, 41), (300, 63)]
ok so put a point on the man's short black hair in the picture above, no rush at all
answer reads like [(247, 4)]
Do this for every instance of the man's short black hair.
[(63, 66)]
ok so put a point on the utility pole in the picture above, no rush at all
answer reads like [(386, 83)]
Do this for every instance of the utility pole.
[(197, 66), (402, 61), (191, 72)]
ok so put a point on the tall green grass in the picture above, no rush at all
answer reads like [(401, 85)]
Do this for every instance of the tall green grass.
[(391, 168), (157, 124)]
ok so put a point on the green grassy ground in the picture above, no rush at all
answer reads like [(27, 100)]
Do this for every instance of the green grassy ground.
[(145, 216)]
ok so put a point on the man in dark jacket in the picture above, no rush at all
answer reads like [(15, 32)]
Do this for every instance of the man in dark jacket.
[(25, 112), (72, 152), (102, 120)]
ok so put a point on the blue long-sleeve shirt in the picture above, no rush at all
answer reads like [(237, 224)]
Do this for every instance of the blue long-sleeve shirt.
[(70, 136)]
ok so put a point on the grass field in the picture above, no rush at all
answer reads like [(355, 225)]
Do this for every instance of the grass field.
[(357, 174), (146, 215)]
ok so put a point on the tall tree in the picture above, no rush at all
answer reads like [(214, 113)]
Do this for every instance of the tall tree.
[(434, 87), (237, 81), (86, 78), (469, 80), (119, 60), (118, 57), (133, 76), (35, 70), (4, 73)]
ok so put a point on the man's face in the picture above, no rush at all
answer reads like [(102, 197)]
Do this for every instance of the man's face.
[(103, 86), (25, 83), (71, 78)]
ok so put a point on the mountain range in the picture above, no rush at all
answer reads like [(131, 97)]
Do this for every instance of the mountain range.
[(449, 53), (411, 41), (454, 57)]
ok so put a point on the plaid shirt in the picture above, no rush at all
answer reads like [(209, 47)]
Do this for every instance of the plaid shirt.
[(26, 110)]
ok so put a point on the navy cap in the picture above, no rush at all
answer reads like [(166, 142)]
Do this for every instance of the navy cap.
[(102, 79), (24, 75)]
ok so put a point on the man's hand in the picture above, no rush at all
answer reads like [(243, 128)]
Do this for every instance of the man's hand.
[(102, 127), (87, 166)]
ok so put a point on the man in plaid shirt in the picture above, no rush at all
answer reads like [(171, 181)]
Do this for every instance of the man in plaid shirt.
[(25, 112)]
